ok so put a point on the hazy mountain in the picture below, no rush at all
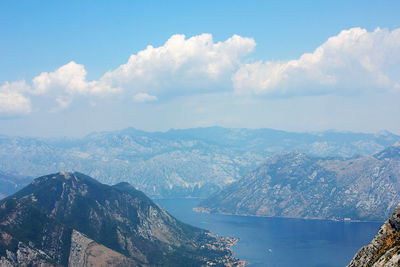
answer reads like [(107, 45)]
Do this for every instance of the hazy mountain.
[(10, 184), (294, 184), (192, 162), (72, 219), (383, 250)]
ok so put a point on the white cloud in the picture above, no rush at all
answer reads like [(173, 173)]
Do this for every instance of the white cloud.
[(70, 78), (12, 101), (18, 86), (182, 64), (353, 61), (143, 97), (63, 102)]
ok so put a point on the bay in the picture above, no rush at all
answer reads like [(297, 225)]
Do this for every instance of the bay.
[(281, 241)]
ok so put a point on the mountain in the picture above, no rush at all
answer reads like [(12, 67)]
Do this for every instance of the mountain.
[(70, 219), (294, 184), (383, 250), (176, 163), (10, 184)]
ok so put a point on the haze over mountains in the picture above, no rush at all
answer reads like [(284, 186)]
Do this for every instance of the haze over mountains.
[(10, 184), (176, 163), (297, 185), (70, 219)]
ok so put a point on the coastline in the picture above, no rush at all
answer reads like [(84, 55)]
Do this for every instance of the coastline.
[(206, 210), (226, 244)]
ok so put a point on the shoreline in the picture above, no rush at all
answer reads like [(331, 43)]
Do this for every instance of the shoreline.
[(205, 210), (222, 243)]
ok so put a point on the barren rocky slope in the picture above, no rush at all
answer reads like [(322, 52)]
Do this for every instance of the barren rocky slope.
[(384, 249), (72, 219), (293, 184)]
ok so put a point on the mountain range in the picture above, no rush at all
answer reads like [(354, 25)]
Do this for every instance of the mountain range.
[(177, 163), (297, 185), (70, 219)]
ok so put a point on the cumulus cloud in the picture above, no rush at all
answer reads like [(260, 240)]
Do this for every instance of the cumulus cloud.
[(143, 97), (353, 61), (70, 78), (196, 63), (182, 64), (12, 100)]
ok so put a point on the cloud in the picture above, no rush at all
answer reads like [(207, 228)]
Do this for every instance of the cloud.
[(12, 100), (71, 79), (182, 64), (143, 97), (353, 61)]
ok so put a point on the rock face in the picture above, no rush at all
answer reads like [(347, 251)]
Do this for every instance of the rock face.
[(384, 249), (293, 184), (70, 219), (176, 163), (25, 255)]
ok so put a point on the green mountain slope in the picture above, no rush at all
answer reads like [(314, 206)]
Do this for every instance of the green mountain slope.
[(54, 211)]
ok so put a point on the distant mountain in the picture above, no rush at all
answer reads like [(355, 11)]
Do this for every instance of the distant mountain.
[(294, 184), (70, 219), (10, 184), (383, 250), (176, 163)]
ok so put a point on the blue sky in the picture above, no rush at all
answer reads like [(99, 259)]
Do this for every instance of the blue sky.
[(100, 36)]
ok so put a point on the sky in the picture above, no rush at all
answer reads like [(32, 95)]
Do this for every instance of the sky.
[(68, 68)]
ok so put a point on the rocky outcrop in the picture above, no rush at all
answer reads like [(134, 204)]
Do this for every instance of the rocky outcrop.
[(25, 255), (70, 219), (384, 249), (294, 184)]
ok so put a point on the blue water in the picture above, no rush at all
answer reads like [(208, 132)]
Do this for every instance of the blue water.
[(279, 241)]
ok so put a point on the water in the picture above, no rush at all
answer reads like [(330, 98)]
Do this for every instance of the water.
[(279, 241)]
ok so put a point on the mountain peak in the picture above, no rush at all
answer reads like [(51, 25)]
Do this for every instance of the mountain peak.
[(65, 174), (59, 213)]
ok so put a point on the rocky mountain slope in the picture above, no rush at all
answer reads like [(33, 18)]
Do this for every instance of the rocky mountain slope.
[(69, 219), (384, 249), (293, 184), (176, 163)]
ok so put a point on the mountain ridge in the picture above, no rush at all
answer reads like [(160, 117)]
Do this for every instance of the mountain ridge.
[(296, 185), (177, 163), (61, 213)]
